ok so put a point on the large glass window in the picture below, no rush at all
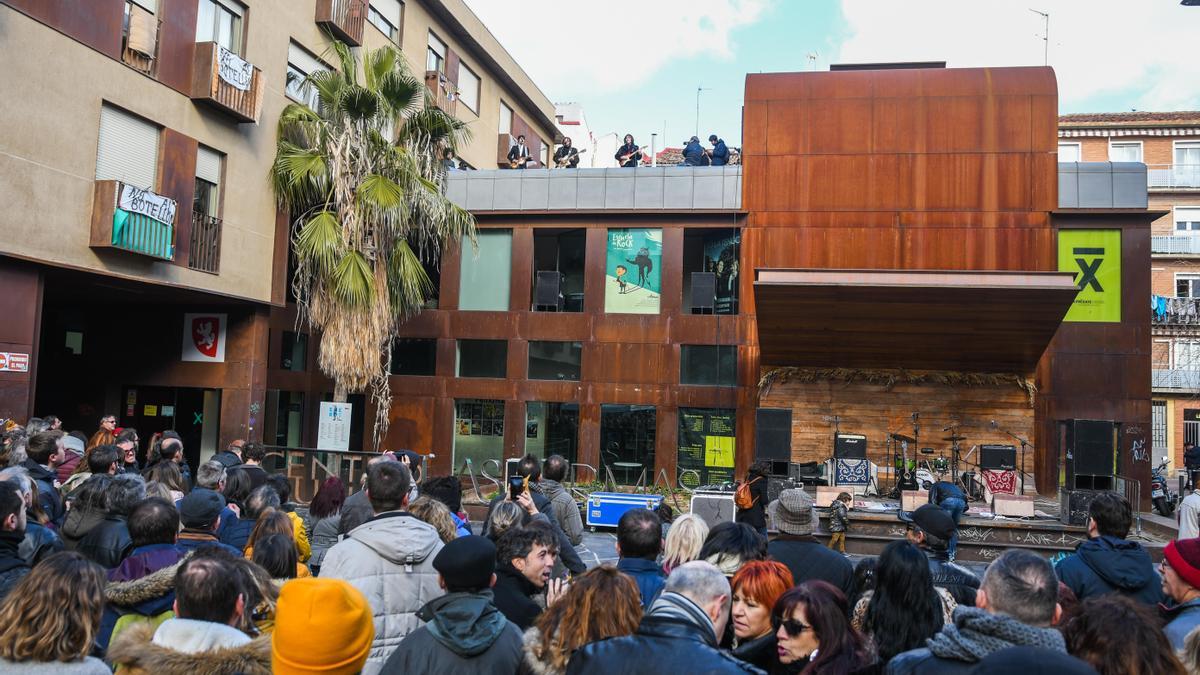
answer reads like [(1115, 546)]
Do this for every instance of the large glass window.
[(286, 425), (627, 441), (414, 356), (711, 365), (435, 54), (1187, 220), (552, 429), (485, 275), (386, 15), (468, 87), (715, 251), (478, 433), (561, 251), (555, 360), (1125, 151), (301, 64), (294, 351), (706, 445), (220, 21), (206, 199), (506, 118), (482, 358)]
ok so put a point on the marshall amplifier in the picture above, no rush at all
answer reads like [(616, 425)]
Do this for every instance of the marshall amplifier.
[(998, 457), (850, 446)]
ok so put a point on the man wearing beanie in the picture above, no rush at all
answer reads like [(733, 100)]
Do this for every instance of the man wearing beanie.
[(322, 627), (200, 514), (797, 548), (1181, 583), (464, 633)]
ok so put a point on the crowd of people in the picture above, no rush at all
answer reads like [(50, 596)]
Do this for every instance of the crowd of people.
[(111, 558)]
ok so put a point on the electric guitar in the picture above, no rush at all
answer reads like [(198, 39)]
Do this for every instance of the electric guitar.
[(519, 162), (564, 162), (626, 158)]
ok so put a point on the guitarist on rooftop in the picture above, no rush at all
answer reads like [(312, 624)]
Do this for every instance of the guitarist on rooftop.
[(566, 156), (629, 155), (518, 155)]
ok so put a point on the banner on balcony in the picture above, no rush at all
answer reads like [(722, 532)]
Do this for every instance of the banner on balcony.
[(204, 337), (234, 69), (1094, 256), (136, 200), (633, 271)]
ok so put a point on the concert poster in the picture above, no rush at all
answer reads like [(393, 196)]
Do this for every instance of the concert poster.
[(721, 258), (633, 271), (707, 444)]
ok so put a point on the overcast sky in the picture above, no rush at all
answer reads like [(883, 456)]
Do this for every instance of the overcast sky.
[(635, 65)]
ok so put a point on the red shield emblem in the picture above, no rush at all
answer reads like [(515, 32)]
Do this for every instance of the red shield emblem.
[(206, 331)]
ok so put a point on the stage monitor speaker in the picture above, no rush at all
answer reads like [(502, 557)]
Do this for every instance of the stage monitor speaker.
[(714, 508), (773, 434), (547, 292), (998, 457), (1093, 447), (704, 290), (850, 446), (807, 473), (1074, 504)]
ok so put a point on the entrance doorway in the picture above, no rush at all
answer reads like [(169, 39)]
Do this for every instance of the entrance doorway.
[(193, 413)]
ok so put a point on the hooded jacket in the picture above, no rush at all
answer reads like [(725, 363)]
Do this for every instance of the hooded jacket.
[(465, 633), (79, 521), (1110, 565), (186, 647), (390, 560), (144, 585), (565, 510), (647, 575), (235, 532), (674, 636), (48, 497)]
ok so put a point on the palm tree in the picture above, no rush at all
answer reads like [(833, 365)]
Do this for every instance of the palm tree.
[(360, 176)]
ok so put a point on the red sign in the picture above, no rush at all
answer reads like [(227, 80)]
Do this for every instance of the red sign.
[(14, 362), (206, 331)]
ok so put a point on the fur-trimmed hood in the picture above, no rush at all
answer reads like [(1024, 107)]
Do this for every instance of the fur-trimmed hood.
[(150, 587), (533, 663), (136, 653)]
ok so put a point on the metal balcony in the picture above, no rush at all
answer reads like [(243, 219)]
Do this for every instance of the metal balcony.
[(227, 82), (204, 253), (1175, 379), (131, 219), (344, 18), (1171, 244), (1172, 176)]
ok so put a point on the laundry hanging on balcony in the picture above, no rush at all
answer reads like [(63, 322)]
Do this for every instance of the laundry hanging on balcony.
[(1158, 305)]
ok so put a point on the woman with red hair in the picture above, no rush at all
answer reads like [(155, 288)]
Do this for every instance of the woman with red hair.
[(756, 587), (324, 512)]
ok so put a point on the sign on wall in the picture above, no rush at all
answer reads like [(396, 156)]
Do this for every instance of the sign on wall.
[(707, 443), (14, 362), (1094, 256), (633, 271), (333, 427), (204, 337)]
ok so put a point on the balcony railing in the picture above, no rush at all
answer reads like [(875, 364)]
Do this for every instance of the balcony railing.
[(344, 18), (1171, 244), (132, 219), (1173, 175), (205, 252), (225, 81), (1175, 311), (445, 95), (1175, 378)]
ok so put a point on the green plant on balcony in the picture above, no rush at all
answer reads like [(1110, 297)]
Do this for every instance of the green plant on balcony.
[(366, 209)]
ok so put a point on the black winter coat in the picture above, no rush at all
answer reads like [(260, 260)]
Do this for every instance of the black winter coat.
[(661, 645), (39, 543), (959, 581), (514, 596), (108, 543), (756, 516), (808, 559), (568, 558), (12, 567), (48, 497)]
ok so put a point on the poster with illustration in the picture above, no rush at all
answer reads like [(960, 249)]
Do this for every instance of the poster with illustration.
[(633, 271), (721, 258)]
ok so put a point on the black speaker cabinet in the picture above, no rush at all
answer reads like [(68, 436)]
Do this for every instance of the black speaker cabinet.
[(773, 434), (1002, 457), (850, 446), (546, 294), (704, 290), (1073, 505), (1093, 447), (777, 485)]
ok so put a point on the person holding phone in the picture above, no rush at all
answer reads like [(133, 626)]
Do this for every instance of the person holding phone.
[(536, 504)]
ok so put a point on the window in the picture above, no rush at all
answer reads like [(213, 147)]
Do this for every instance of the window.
[(1185, 355), (286, 426), (139, 35), (1187, 153), (301, 64), (293, 351), (506, 119), (484, 277), (206, 200), (414, 356), (544, 152), (1191, 426), (711, 365), (128, 149), (1158, 430), (386, 16), (1187, 285), (627, 435), (1068, 152), (555, 360), (468, 88), (482, 358), (1187, 219), (552, 429), (715, 251), (706, 445), (435, 54), (561, 251), (220, 21), (478, 433), (1125, 151)]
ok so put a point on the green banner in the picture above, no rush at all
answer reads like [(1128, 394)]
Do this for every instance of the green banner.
[(707, 443), (633, 271), (1094, 256)]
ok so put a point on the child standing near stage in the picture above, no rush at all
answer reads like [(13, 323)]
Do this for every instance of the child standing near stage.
[(839, 521)]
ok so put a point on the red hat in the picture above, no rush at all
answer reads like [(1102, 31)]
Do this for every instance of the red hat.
[(1184, 557)]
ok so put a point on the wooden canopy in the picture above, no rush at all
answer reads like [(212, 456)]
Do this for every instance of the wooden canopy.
[(929, 320)]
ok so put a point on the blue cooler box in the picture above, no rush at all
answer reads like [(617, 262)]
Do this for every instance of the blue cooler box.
[(604, 509)]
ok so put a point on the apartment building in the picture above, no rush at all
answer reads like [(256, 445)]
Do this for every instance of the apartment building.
[(142, 257), (1169, 145)]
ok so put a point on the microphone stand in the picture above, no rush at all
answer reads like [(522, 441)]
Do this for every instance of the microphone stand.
[(1020, 469)]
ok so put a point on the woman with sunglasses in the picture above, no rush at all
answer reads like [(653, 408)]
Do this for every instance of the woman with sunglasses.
[(814, 634), (756, 587)]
